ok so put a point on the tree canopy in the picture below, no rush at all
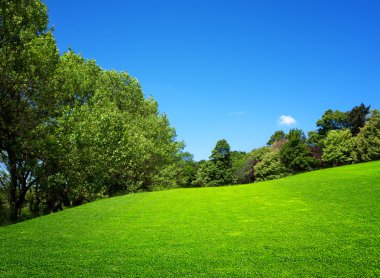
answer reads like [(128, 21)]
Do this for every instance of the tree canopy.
[(70, 131)]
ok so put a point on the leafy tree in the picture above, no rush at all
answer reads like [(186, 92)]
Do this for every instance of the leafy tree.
[(367, 142), (238, 159), (314, 139), (252, 159), (187, 170), (357, 118), (222, 153), (114, 138), (218, 170), (208, 175), (270, 167), (332, 120), (277, 136), (337, 149), (295, 153), (28, 57)]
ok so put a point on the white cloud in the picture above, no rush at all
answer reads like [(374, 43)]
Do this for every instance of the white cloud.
[(236, 113), (286, 120)]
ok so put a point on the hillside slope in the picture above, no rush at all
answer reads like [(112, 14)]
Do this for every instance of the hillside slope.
[(322, 223)]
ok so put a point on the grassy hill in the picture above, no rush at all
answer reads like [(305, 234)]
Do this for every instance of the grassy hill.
[(322, 223)]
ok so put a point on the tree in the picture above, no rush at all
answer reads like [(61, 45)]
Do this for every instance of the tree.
[(253, 158), (337, 149), (187, 168), (357, 118), (208, 175), (295, 153), (314, 139), (367, 142), (114, 138), (28, 57), (238, 159), (277, 136), (270, 167), (222, 153), (332, 120), (218, 170)]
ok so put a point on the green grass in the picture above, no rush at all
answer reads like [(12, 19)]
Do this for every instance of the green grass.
[(323, 223)]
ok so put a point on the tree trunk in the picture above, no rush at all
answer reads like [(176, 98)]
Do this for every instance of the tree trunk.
[(21, 200), (13, 204)]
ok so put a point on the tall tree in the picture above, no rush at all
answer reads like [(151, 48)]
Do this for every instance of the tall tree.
[(222, 153), (114, 138), (218, 170), (332, 120), (357, 118), (28, 57), (295, 153)]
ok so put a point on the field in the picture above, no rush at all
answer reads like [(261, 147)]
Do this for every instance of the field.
[(323, 223)]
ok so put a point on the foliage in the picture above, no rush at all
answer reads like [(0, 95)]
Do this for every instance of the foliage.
[(270, 167), (71, 132), (314, 139), (338, 147), (337, 120), (277, 136), (252, 159), (295, 153), (114, 138), (357, 118), (187, 170), (332, 120), (324, 223), (218, 170), (28, 57), (238, 160), (367, 142), (222, 153)]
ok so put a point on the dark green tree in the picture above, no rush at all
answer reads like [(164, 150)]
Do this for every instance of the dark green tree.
[(222, 153), (295, 153), (28, 57), (357, 118), (238, 160), (218, 170), (187, 170), (332, 120)]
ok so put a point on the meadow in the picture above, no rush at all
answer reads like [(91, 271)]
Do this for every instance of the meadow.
[(319, 224)]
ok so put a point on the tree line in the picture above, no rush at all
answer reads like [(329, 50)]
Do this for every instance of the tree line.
[(340, 138)]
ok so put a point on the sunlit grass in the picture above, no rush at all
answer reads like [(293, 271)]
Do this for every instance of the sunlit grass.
[(323, 223)]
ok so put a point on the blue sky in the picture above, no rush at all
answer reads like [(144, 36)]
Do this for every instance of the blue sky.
[(231, 69)]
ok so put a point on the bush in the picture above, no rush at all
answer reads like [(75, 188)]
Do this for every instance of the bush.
[(337, 149), (270, 167), (367, 142)]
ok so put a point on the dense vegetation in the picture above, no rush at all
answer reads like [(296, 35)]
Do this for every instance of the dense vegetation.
[(341, 138), (72, 132), (320, 224)]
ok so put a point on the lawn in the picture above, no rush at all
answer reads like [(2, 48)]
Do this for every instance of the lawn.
[(322, 223)]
